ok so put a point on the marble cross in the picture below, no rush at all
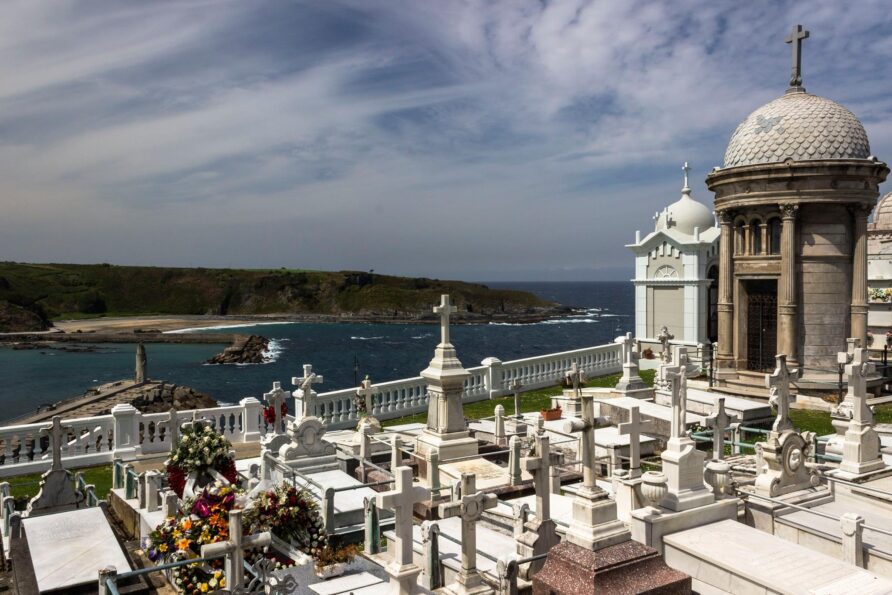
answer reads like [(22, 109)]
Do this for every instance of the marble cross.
[(577, 376), (633, 428), (628, 345), (305, 384), (275, 397), (719, 422), (445, 309), (586, 428), (402, 500), (173, 428), (678, 385), (515, 387), (857, 372), (57, 434), (664, 337), (538, 463), (778, 384), (469, 508), (795, 40), (367, 394), (233, 549)]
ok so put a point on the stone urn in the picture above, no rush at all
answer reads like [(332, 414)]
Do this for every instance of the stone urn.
[(654, 487), (718, 476)]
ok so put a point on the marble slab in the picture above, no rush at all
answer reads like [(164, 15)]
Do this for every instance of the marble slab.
[(363, 582), (702, 402), (69, 548), (489, 475), (618, 412)]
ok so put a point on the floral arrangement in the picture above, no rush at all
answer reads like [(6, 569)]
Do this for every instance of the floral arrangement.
[(336, 555), (269, 413), (648, 353), (879, 294), (292, 515), (359, 404), (200, 448)]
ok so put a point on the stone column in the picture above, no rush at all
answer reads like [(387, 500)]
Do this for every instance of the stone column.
[(859, 273), (725, 306), (787, 302)]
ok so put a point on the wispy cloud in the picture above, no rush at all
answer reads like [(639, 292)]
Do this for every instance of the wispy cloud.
[(483, 139)]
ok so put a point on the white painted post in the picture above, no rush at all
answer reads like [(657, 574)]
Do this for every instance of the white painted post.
[(852, 544), (499, 435), (396, 455), (251, 411), (126, 431), (153, 485), (514, 471)]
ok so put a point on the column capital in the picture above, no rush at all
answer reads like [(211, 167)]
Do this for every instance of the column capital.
[(860, 210), (725, 216), (789, 210)]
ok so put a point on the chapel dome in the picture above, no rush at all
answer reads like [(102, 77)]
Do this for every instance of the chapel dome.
[(882, 217), (797, 126), (686, 213)]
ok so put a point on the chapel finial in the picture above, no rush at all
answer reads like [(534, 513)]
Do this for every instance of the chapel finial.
[(795, 40), (686, 168)]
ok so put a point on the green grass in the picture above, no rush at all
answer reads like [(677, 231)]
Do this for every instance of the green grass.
[(534, 400), (25, 487)]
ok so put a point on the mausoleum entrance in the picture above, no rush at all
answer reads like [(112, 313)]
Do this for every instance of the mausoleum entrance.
[(760, 323)]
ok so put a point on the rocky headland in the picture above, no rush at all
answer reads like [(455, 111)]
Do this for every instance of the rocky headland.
[(245, 350)]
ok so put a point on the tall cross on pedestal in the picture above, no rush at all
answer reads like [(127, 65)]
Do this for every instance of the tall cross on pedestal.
[(234, 550), (586, 428), (305, 384), (795, 39), (577, 376), (538, 464), (402, 500), (719, 422), (633, 428), (778, 384), (469, 507), (275, 397), (367, 394), (57, 433), (678, 385), (857, 372), (445, 309)]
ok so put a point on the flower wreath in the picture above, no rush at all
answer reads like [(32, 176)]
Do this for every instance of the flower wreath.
[(199, 449), (270, 410)]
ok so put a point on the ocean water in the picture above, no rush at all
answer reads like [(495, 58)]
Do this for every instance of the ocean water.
[(383, 351)]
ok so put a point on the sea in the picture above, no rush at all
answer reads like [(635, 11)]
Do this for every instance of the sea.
[(342, 353)]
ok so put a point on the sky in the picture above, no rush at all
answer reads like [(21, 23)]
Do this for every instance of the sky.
[(478, 140)]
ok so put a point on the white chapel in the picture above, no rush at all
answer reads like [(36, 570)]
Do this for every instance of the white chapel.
[(676, 273)]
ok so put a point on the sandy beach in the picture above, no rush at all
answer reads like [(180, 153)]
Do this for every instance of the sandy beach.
[(129, 324)]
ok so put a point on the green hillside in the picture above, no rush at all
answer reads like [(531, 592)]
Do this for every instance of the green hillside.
[(31, 292)]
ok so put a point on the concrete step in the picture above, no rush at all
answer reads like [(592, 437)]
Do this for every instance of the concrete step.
[(742, 390)]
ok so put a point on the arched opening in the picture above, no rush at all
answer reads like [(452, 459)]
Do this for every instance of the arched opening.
[(739, 239), (712, 301), (755, 237)]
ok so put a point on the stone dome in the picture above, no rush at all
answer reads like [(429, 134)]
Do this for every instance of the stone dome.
[(882, 217), (797, 126), (685, 214)]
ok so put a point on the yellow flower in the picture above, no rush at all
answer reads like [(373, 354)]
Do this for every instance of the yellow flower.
[(162, 547), (203, 587), (183, 544)]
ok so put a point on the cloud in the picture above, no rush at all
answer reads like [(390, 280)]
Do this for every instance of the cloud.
[(477, 139)]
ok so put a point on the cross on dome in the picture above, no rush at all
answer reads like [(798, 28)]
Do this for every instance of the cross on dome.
[(795, 40), (686, 168)]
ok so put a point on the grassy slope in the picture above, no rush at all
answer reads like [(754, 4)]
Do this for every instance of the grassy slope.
[(69, 291)]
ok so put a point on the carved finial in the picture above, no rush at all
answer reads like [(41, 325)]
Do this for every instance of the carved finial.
[(686, 168), (795, 40)]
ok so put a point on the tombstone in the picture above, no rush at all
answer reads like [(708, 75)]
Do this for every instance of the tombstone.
[(515, 424), (633, 428), (594, 523), (719, 421), (446, 432), (140, 372), (861, 446), (576, 377), (57, 491), (274, 439), (781, 468), (432, 573), (540, 533), (470, 508), (499, 434), (368, 423), (234, 550), (305, 396), (402, 570), (630, 384)]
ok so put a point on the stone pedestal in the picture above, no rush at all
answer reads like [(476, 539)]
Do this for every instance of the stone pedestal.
[(628, 567), (516, 426), (595, 524), (651, 524), (625, 494), (683, 466)]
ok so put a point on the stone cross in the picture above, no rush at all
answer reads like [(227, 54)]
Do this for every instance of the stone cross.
[(719, 421), (686, 168), (628, 345), (857, 372), (795, 40), (586, 427), (778, 384), (664, 337), (633, 428), (402, 500), (305, 384), (233, 549), (445, 309), (577, 376), (469, 508), (538, 463), (275, 397), (57, 433), (515, 387), (173, 428), (367, 394), (678, 385)]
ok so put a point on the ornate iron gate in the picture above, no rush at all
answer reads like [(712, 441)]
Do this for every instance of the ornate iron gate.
[(761, 331)]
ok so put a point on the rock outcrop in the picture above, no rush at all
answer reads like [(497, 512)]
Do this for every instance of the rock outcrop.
[(245, 350), (15, 318), (157, 399)]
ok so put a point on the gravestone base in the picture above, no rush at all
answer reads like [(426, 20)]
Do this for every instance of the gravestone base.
[(625, 494), (761, 514), (454, 445), (865, 477), (516, 426), (638, 393), (595, 524), (538, 538), (683, 466), (628, 567), (273, 442), (651, 524)]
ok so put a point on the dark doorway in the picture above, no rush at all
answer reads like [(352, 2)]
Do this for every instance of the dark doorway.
[(712, 308), (761, 325)]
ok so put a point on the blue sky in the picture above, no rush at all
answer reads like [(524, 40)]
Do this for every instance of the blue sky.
[(483, 140)]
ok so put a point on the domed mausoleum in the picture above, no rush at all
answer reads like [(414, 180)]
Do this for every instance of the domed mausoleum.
[(792, 198), (879, 271), (676, 273)]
